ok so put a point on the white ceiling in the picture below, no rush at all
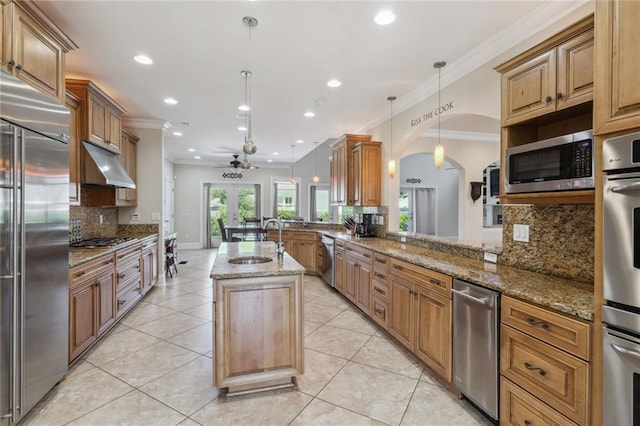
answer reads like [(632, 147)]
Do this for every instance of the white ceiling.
[(200, 47)]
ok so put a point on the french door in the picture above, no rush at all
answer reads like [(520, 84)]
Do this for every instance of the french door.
[(418, 210), (230, 202)]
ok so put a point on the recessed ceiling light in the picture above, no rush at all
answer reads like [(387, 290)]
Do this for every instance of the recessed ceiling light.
[(309, 114), (276, 153), (384, 17), (269, 161), (177, 133), (143, 59), (197, 157), (334, 83), (242, 128), (244, 108), (170, 101), (191, 150), (299, 141)]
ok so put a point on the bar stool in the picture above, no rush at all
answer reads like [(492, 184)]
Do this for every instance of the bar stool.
[(170, 257)]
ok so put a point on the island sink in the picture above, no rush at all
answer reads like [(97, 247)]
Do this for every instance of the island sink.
[(249, 260)]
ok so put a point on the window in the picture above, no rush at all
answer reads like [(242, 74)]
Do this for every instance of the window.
[(319, 203), (285, 198)]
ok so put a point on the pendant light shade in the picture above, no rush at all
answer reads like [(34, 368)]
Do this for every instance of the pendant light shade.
[(391, 166), (438, 154), (316, 178)]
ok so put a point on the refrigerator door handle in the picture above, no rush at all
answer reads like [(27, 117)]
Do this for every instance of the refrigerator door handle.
[(21, 272)]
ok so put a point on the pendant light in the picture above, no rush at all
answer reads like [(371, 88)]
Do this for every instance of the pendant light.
[(249, 147), (438, 154), (316, 178), (292, 180), (391, 166)]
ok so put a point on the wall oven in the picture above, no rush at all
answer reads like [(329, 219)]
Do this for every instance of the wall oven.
[(559, 164), (621, 314)]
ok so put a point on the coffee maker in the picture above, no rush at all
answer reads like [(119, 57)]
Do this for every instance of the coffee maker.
[(365, 225)]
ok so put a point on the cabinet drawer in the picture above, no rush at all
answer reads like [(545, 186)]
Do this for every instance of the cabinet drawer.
[(558, 330), (128, 272), (127, 297), (426, 278), (379, 286), (518, 408), (380, 263), (557, 378), (379, 311), (93, 268), (149, 244), (127, 255), (303, 236), (359, 253)]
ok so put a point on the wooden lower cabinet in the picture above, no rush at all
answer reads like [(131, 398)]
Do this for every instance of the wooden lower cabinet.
[(518, 408), (149, 264), (340, 266), (538, 360), (420, 319), (350, 279), (91, 305)]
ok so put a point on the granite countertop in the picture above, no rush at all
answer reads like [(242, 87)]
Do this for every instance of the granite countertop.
[(80, 256), (560, 294), (222, 269)]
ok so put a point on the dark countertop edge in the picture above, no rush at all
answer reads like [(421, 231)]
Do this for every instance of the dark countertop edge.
[(94, 253)]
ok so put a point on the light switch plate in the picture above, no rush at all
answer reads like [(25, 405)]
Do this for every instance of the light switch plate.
[(521, 233), (155, 216), (135, 216), (490, 257)]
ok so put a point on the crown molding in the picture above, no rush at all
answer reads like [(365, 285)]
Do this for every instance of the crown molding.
[(491, 50), (146, 123), (461, 135)]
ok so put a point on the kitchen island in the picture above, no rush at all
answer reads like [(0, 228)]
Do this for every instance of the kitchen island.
[(258, 318)]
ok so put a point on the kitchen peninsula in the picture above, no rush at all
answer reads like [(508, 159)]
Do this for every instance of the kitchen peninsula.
[(258, 318)]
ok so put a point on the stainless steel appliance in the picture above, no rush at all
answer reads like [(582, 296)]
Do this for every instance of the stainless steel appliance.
[(34, 246), (328, 244), (558, 164), (100, 242), (621, 279), (476, 344), (365, 226)]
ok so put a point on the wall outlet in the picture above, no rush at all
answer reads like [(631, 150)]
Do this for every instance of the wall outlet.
[(380, 219), (490, 257), (521, 233), (135, 216), (101, 218), (403, 239), (155, 216)]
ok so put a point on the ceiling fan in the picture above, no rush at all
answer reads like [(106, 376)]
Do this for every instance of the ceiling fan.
[(237, 164)]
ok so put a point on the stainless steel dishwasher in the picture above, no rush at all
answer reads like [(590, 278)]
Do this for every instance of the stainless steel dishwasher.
[(327, 268), (476, 344)]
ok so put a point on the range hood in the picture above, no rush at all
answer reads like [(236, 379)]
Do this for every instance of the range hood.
[(102, 167)]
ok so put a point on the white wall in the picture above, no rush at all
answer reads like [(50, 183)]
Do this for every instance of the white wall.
[(149, 177), (305, 168), (169, 213)]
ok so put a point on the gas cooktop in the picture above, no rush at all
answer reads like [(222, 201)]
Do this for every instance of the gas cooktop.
[(100, 242)]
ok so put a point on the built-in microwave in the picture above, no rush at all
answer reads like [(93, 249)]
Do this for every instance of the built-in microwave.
[(562, 163)]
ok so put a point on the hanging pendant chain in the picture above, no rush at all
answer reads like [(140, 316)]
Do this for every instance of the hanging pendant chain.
[(439, 103)]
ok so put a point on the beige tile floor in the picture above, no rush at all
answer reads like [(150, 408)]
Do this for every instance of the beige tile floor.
[(155, 368)]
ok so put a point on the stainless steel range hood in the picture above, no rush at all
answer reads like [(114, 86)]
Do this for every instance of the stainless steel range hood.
[(102, 167)]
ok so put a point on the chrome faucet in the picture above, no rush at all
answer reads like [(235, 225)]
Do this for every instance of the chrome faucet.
[(280, 245)]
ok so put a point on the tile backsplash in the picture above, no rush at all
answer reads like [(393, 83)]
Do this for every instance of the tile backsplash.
[(89, 221), (561, 240)]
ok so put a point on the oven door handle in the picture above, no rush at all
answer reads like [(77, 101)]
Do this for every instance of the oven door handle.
[(626, 188), (629, 353)]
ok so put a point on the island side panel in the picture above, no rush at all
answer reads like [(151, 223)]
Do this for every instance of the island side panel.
[(258, 329)]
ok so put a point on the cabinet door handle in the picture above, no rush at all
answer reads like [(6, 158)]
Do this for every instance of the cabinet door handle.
[(559, 96), (435, 282), (366, 255), (548, 99), (379, 276), (527, 423), (379, 290), (121, 275), (528, 366), (121, 302), (11, 63), (381, 260), (398, 267), (380, 311), (107, 262), (19, 67), (533, 323), (121, 256), (349, 249), (81, 273)]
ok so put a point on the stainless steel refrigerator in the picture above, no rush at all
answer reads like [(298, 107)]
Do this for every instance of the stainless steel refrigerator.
[(34, 246)]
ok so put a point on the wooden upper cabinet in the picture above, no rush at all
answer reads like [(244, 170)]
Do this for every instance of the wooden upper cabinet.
[(128, 157), (552, 76), (617, 72), (101, 115), (33, 48), (355, 171)]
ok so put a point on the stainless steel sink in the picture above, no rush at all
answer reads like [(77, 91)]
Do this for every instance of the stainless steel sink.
[(249, 260)]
